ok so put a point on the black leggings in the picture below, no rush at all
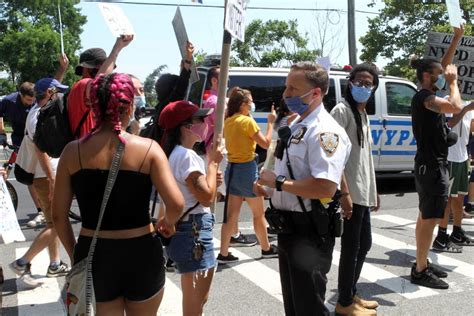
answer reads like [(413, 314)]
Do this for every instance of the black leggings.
[(132, 268)]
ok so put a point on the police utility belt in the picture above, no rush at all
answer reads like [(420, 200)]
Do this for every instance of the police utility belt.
[(327, 222)]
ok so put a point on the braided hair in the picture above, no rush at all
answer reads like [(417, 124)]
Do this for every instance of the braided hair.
[(111, 96), (371, 69)]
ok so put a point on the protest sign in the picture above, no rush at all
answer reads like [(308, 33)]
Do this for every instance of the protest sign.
[(325, 62), (437, 45), (454, 12), (234, 21), (182, 38), (10, 230), (116, 20)]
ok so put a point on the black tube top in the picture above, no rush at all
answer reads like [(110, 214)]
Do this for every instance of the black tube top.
[(128, 205)]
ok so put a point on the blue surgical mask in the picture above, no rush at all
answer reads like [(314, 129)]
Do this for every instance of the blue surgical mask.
[(360, 94), (140, 101), (296, 104), (440, 82), (252, 107)]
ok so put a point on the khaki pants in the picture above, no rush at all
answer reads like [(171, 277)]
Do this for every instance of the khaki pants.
[(41, 186)]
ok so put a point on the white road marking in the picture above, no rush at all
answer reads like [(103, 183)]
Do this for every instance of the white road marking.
[(43, 300)]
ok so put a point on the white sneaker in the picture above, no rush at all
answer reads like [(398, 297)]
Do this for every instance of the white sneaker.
[(29, 282), (38, 220)]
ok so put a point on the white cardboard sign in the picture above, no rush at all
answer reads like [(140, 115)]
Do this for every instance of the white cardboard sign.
[(235, 18), (182, 38), (10, 230), (116, 20), (454, 12)]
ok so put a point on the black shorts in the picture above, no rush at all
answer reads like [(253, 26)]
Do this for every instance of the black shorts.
[(432, 185), (131, 268)]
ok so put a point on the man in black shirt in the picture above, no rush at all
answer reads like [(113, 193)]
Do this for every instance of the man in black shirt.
[(431, 172)]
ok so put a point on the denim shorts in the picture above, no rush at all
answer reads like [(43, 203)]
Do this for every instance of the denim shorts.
[(243, 177), (180, 249)]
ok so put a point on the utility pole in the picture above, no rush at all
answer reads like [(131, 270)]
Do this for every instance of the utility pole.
[(351, 32)]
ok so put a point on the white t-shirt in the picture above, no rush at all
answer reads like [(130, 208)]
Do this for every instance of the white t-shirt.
[(183, 162), (31, 121), (458, 152)]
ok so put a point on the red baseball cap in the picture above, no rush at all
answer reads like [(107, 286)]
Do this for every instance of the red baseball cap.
[(177, 112)]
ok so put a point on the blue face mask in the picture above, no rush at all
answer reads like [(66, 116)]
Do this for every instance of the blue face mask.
[(140, 101), (440, 82), (360, 94), (296, 104)]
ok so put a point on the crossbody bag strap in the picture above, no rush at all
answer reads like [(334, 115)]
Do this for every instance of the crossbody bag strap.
[(188, 211), (81, 122)]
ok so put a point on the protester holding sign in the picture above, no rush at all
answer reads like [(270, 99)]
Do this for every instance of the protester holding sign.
[(431, 172), (92, 61)]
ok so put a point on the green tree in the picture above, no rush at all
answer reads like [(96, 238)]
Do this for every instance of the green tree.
[(149, 85), (271, 44), (401, 30), (199, 57), (30, 40)]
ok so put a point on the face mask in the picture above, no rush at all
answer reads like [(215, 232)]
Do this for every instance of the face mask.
[(439, 84), (200, 130), (252, 107), (360, 94), (296, 104), (139, 101)]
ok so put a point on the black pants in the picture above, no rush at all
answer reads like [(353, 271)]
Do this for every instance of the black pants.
[(355, 244), (304, 263)]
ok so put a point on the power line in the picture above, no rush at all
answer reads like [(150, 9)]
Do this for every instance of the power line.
[(221, 6)]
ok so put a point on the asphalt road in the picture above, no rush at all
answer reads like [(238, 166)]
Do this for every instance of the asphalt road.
[(251, 287)]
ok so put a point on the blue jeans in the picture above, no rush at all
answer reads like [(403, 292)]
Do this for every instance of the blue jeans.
[(355, 244), (180, 249)]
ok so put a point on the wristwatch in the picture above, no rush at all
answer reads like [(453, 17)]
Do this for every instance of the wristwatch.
[(279, 182)]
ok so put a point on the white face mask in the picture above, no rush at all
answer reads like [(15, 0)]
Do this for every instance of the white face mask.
[(139, 101), (252, 107)]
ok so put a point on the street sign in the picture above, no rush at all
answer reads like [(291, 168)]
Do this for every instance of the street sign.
[(182, 38), (235, 18)]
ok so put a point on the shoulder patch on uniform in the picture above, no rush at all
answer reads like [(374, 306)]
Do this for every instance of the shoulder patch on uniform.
[(329, 142)]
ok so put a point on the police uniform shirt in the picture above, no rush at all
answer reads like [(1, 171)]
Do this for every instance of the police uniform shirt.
[(318, 147)]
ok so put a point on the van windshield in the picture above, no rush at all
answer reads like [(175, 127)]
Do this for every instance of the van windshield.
[(266, 90)]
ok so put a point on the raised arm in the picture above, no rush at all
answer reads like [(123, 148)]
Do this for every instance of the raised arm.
[(109, 64), (449, 56), (451, 105), (63, 65)]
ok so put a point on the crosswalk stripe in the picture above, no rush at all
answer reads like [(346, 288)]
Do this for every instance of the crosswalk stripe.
[(43, 300), (401, 222), (172, 300), (446, 262), (389, 280), (268, 279)]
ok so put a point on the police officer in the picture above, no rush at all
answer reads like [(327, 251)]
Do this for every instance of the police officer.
[(318, 149)]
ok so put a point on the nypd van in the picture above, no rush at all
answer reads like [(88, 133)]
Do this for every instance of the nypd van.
[(390, 115)]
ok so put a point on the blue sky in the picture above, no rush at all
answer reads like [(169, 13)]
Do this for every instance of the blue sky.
[(155, 43)]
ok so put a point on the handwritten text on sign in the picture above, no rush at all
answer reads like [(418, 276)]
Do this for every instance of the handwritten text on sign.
[(436, 47), (235, 18)]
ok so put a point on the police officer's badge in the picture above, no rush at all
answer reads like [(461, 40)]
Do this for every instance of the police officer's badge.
[(329, 142), (299, 134)]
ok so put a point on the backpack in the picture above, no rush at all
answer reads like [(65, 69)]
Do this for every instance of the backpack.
[(53, 131)]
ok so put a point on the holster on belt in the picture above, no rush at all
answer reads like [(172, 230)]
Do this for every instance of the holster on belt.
[(279, 221)]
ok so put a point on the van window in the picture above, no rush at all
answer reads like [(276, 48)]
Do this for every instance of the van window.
[(196, 90), (329, 99), (369, 108), (399, 97), (266, 90)]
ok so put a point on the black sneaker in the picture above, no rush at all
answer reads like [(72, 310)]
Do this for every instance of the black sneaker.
[(61, 270), (436, 270), (226, 259), (446, 245), (270, 253), (427, 278), (242, 241), (461, 239)]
